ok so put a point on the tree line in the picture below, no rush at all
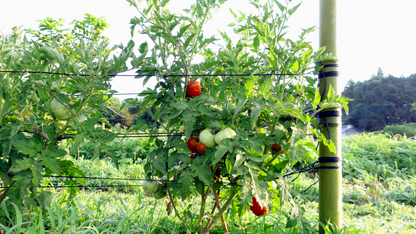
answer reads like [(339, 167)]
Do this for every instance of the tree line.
[(381, 101)]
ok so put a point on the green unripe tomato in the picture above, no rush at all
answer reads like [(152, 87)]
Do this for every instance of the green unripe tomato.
[(207, 138), (149, 187), (60, 112), (227, 133)]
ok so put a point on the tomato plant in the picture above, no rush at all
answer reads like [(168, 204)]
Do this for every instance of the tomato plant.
[(246, 112), (33, 139), (193, 89), (192, 144)]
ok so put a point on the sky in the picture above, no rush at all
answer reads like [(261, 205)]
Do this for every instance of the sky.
[(372, 34)]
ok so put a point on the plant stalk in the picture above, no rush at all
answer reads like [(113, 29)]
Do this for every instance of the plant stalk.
[(3, 195), (217, 201), (220, 212)]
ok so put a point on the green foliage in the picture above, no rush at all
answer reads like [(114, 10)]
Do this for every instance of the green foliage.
[(408, 129), (380, 155), (380, 101), (372, 203), (32, 140)]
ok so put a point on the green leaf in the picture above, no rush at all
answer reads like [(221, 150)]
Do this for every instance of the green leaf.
[(160, 163), (89, 124), (220, 151), (204, 173), (330, 93), (264, 89), (143, 48), (255, 112), (215, 124), (317, 98), (28, 146), (173, 158), (228, 165), (180, 106), (52, 164), (22, 164), (256, 43), (234, 14), (281, 7), (188, 121), (186, 182), (293, 10), (255, 157), (295, 66), (199, 9), (240, 104), (249, 87)]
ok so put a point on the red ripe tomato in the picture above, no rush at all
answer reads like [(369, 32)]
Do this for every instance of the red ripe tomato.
[(193, 89), (276, 148), (192, 143), (201, 147), (256, 208)]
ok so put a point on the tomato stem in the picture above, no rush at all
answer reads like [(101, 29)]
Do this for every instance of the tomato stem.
[(217, 201), (220, 212)]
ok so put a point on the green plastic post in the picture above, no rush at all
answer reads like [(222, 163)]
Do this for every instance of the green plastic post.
[(330, 174)]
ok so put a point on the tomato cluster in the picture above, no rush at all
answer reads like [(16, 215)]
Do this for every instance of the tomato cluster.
[(195, 145), (208, 140)]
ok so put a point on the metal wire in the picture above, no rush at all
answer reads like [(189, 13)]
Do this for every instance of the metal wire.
[(166, 75)]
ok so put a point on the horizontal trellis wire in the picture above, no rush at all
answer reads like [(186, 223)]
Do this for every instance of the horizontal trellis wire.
[(163, 75), (311, 167)]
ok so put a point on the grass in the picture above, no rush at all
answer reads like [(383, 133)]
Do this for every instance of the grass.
[(378, 193)]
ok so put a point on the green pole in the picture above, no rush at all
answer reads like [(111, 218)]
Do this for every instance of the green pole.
[(330, 172)]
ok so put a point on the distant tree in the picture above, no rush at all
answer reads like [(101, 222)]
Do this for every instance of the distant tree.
[(380, 101)]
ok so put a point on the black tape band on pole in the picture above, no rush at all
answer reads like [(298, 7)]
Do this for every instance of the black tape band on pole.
[(328, 74), (330, 65), (329, 159), (334, 113), (329, 167)]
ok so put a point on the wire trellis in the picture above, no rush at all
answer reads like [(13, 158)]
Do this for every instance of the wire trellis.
[(311, 167)]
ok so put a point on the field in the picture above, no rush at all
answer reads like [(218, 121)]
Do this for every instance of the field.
[(378, 193)]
